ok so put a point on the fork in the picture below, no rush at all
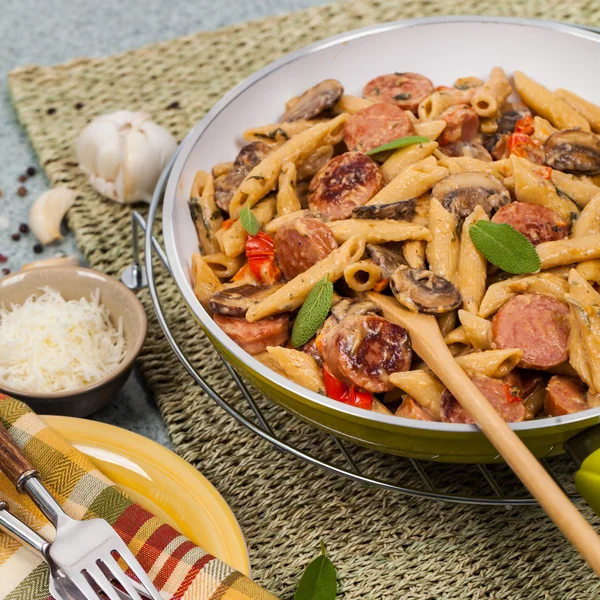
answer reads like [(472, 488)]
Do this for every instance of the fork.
[(83, 549), (61, 587)]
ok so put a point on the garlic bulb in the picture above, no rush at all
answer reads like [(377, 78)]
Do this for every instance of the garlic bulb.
[(47, 212), (123, 153)]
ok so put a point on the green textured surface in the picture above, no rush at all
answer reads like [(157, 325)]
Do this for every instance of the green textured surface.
[(384, 545)]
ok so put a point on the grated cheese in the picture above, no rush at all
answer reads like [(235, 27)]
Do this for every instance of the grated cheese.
[(49, 344)]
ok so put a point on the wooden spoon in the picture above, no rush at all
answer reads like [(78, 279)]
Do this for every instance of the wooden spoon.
[(430, 346)]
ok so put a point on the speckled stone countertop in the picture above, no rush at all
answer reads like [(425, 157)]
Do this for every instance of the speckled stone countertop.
[(67, 30)]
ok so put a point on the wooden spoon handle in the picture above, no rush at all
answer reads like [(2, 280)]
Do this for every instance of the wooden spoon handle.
[(430, 346), (12, 462)]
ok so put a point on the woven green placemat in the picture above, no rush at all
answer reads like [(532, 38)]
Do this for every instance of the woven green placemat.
[(385, 545)]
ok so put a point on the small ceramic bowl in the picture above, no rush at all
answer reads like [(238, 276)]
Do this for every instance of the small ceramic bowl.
[(74, 283)]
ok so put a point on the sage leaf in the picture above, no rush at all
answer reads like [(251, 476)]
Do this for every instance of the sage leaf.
[(249, 221), (399, 143), (505, 247), (313, 312), (319, 580)]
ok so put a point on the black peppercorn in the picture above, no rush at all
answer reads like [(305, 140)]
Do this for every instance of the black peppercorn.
[(24, 228), (38, 248), (51, 110), (174, 105), (6, 271), (79, 105), (16, 236), (31, 171)]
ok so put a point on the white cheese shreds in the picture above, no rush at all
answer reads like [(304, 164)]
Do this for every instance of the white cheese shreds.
[(49, 344)]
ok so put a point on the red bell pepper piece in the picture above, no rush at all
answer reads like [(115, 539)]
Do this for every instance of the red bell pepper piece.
[(338, 390), (512, 393), (525, 125), (260, 252), (523, 146)]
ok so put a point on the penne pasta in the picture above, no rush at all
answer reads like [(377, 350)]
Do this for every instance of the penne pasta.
[(443, 247), (435, 104), (405, 157), (472, 265), (542, 129), (266, 359), (362, 276), (232, 240), (447, 322), (457, 336), (315, 162), (589, 111), (377, 231), (431, 129), (589, 270), (531, 187), (546, 104), (580, 190), (380, 408), (222, 265), (294, 292), (299, 367), (493, 363), (567, 251), (477, 330), (414, 250), (274, 225), (498, 294), (204, 211), (287, 199), (464, 164), (263, 177), (277, 133), (351, 104), (204, 282), (489, 97), (424, 387), (589, 220), (222, 169)]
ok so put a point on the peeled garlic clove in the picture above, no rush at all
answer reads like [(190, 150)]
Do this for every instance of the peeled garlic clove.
[(123, 153), (47, 213)]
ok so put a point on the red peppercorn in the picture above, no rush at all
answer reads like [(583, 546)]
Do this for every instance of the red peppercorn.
[(16, 236), (3, 258), (31, 171), (38, 248), (22, 178), (22, 191), (24, 228), (6, 271)]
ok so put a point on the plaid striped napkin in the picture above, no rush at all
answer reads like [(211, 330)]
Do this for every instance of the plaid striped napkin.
[(179, 569)]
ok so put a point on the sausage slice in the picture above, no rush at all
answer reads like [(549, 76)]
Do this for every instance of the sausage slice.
[(536, 323), (345, 182), (255, 337), (564, 395), (301, 243), (405, 90), (376, 125), (537, 223), (462, 124), (497, 392), (365, 349)]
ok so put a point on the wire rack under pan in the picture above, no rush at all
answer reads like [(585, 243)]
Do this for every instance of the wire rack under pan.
[(459, 483)]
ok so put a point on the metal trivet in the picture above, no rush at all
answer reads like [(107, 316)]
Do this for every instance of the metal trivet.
[(489, 485)]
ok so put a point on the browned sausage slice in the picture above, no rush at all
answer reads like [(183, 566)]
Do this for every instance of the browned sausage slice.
[(365, 349), (497, 392), (345, 182), (301, 243), (564, 395), (255, 337), (462, 124), (226, 185), (405, 90), (537, 223), (376, 125), (410, 409), (536, 323)]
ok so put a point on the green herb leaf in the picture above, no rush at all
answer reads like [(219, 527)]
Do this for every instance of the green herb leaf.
[(313, 312), (505, 247), (319, 581), (249, 221), (400, 143)]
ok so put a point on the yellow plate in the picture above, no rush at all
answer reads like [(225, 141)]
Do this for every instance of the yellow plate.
[(162, 483)]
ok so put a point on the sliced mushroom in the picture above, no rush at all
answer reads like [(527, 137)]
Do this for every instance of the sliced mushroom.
[(387, 260), (423, 291), (226, 185), (394, 210), (573, 151), (508, 121), (462, 192), (469, 149), (350, 306), (235, 301), (314, 101)]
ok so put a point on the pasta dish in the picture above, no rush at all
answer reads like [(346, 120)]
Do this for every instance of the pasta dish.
[(478, 204)]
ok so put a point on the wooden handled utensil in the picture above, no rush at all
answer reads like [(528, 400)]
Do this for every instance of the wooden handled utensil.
[(429, 344)]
